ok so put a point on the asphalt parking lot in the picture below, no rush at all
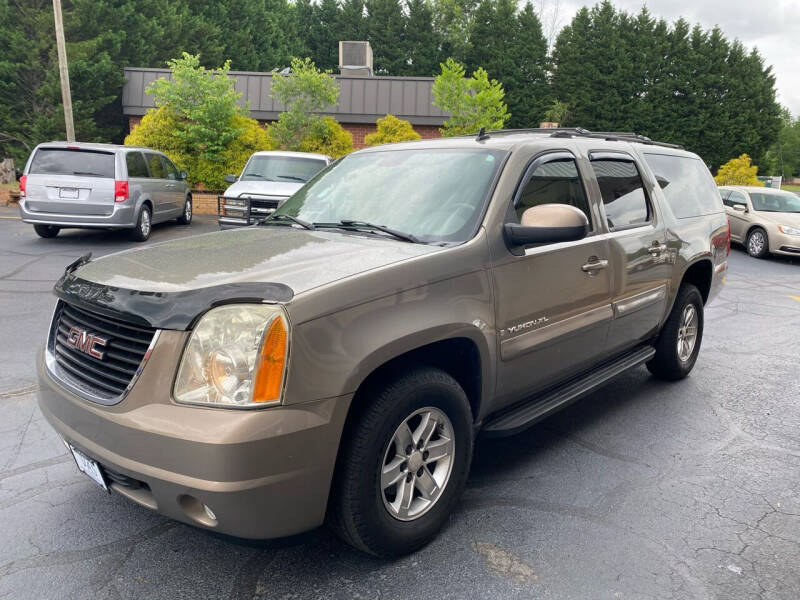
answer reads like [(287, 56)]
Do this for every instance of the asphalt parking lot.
[(641, 490)]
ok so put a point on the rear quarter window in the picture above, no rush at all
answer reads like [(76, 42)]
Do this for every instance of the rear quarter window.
[(136, 165), (686, 183), (62, 161)]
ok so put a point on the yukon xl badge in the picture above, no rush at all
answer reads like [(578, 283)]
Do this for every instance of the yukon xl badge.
[(86, 342), (523, 326)]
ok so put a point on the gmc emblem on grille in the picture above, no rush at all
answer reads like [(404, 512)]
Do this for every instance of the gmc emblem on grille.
[(86, 342)]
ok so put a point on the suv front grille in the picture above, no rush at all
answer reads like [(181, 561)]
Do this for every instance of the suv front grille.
[(263, 205), (103, 368)]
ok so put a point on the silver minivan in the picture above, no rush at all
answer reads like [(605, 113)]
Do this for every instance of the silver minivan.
[(81, 185)]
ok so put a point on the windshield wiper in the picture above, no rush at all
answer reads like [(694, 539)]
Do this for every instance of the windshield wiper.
[(255, 175), (407, 237), (284, 216), (292, 177), (89, 173)]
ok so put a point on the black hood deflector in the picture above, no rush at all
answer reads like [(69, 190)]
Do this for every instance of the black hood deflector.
[(163, 310)]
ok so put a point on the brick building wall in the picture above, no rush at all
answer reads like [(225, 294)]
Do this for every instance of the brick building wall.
[(357, 130)]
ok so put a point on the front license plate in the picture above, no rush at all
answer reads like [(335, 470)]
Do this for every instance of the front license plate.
[(68, 193), (90, 467)]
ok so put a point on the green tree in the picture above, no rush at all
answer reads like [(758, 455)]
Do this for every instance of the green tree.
[(305, 93), (203, 100), (473, 102), (386, 31), (389, 130), (330, 138), (352, 25), (738, 171), (422, 40), (783, 157), (452, 21)]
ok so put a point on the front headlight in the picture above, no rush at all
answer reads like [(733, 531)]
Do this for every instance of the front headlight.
[(789, 230), (236, 357)]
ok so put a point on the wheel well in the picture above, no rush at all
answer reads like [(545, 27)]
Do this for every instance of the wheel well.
[(459, 357), (699, 275), (749, 229), (149, 204)]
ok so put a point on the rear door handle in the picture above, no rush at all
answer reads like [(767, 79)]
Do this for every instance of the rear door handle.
[(594, 264)]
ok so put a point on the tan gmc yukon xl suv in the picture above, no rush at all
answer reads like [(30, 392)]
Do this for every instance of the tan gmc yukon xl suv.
[(336, 361)]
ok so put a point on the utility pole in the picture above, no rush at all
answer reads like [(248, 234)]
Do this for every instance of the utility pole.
[(63, 71)]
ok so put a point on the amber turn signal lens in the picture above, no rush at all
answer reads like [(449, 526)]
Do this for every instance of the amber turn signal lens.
[(271, 363)]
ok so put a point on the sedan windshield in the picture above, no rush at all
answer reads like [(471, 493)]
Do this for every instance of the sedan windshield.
[(281, 168), (775, 202), (428, 195)]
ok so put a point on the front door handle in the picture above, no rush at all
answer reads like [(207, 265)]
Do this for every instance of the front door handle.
[(656, 248), (594, 264)]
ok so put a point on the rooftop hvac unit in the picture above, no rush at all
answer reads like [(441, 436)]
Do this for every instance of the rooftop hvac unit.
[(355, 58)]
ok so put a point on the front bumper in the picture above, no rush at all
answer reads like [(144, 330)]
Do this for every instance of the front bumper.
[(781, 243), (122, 216), (263, 473)]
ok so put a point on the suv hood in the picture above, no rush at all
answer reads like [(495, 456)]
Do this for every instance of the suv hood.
[(296, 258), (263, 188)]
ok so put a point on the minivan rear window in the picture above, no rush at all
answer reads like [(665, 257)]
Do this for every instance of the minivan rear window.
[(62, 161), (686, 183)]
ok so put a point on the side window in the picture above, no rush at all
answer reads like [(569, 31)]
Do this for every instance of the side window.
[(735, 198), (172, 172), (156, 166), (136, 165), (553, 182), (624, 197)]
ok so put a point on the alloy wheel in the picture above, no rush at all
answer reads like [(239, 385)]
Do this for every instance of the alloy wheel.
[(417, 464), (756, 243), (687, 332)]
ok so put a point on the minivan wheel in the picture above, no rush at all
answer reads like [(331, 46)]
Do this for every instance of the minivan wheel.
[(46, 231), (679, 341), (144, 225), (404, 465), (757, 243), (186, 215)]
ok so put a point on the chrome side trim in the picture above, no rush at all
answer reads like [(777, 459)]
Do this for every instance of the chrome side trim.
[(633, 303), (62, 378), (529, 340), (588, 239)]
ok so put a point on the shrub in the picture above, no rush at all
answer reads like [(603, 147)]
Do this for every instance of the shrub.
[(390, 130), (737, 171), (331, 139), (473, 102), (157, 130)]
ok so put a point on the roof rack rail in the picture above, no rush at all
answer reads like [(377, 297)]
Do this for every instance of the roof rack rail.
[(569, 132)]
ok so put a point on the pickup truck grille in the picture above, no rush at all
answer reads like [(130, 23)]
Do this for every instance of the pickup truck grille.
[(263, 205), (97, 354)]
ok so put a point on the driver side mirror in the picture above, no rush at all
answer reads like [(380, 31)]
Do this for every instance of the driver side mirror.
[(740, 208), (548, 224), (230, 178), (183, 175)]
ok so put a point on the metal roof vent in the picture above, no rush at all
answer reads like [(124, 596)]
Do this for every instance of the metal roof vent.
[(355, 59)]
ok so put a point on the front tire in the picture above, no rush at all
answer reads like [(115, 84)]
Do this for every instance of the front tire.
[(679, 341), (186, 216), (144, 225), (46, 231), (404, 465), (757, 243)]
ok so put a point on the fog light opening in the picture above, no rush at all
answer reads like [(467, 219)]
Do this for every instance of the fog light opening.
[(197, 510)]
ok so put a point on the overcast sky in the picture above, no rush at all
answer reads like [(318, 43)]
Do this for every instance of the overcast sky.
[(773, 26)]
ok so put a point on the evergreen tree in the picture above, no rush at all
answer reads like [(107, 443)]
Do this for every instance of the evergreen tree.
[(422, 41), (527, 89), (387, 33), (352, 24)]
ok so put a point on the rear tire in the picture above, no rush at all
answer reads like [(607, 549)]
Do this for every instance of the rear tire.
[(375, 468), (186, 216), (757, 243), (144, 224), (679, 341), (46, 231)]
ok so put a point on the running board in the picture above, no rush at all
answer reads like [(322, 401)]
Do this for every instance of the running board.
[(538, 407)]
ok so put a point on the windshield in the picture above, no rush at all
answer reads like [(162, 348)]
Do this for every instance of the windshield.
[(281, 168), (775, 202), (435, 195)]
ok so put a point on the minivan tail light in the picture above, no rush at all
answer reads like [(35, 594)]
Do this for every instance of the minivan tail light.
[(23, 182), (728, 240), (121, 191)]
